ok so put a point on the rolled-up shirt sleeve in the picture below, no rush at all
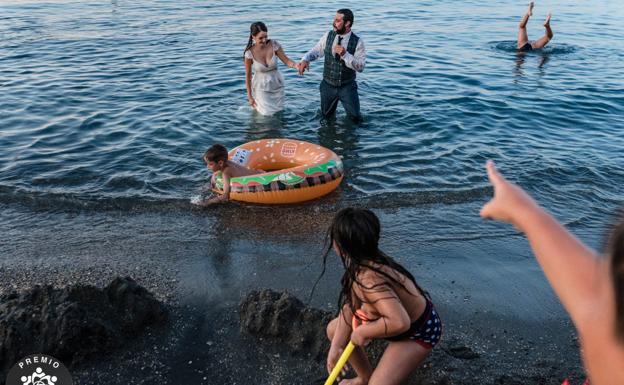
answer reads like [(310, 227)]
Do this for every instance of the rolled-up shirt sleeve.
[(317, 52), (357, 61)]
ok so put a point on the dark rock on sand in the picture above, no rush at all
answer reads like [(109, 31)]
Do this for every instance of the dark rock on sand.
[(284, 319), (75, 322)]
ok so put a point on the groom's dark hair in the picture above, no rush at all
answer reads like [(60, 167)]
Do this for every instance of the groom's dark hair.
[(347, 15)]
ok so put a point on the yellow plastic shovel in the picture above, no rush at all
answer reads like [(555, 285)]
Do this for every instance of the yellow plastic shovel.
[(344, 357)]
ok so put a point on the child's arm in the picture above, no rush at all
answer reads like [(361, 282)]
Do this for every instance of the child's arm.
[(393, 318), (571, 268), (226, 186), (343, 329), (341, 337), (221, 197)]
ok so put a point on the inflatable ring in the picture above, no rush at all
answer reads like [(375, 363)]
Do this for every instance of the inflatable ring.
[(296, 171)]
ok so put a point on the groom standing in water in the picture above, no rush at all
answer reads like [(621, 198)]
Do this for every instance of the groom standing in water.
[(344, 55)]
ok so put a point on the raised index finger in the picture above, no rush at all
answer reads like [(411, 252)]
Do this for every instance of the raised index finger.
[(493, 175)]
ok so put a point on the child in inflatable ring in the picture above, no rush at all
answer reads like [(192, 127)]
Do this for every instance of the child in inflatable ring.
[(216, 158)]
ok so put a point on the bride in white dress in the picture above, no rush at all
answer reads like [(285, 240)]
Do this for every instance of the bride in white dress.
[(265, 90)]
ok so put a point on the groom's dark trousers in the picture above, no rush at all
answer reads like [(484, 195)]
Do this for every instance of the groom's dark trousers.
[(347, 94)]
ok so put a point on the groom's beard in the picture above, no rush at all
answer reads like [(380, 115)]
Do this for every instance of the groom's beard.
[(340, 31)]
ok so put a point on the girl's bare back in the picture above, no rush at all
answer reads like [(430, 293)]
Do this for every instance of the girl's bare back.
[(409, 295)]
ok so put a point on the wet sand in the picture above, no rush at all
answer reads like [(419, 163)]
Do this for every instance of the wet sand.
[(503, 324)]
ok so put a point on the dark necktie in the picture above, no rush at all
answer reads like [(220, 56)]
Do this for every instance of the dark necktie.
[(339, 43)]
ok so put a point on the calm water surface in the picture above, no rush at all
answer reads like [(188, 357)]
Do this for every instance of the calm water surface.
[(111, 104)]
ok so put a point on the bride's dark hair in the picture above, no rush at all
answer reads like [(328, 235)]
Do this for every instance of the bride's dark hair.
[(254, 29)]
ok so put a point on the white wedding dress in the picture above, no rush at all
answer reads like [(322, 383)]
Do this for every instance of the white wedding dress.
[(267, 84)]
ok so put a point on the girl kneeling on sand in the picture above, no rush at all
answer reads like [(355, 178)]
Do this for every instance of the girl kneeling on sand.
[(383, 298)]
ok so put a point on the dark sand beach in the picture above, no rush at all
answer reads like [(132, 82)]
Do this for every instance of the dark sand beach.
[(502, 324)]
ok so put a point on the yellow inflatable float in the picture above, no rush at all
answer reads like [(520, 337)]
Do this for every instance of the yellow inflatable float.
[(296, 171)]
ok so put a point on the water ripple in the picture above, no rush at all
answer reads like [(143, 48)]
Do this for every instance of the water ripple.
[(111, 104)]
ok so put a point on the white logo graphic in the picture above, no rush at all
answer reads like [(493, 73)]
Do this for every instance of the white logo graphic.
[(241, 156), (289, 149), (39, 369), (39, 378)]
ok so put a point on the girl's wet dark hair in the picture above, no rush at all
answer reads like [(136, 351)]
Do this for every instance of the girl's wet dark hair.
[(616, 251), (254, 29), (356, 235)]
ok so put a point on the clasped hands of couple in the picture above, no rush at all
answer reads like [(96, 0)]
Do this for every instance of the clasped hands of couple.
[(303, 65)]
